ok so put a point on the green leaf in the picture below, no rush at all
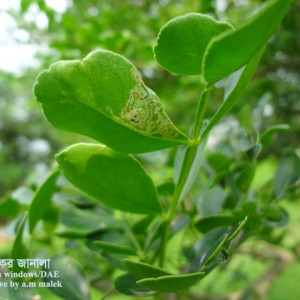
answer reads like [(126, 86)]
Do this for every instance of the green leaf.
[(233, 49), (113, 248), (42, 200), (171, 283), (75, 285), (19, 250), (267, 135), (140, 227), (116, 179), (240, 81), (288, 172), (181, 42), (142, 270), (126, 284), (219, 161), (274, 213), (8, 207), (279, 220), (103, 97), (211, 222), (86, 221), (205, 247)]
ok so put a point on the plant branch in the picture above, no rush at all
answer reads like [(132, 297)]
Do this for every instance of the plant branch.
[(186, 166)]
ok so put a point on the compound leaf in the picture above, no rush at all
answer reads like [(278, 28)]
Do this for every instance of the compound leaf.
[(103, 97), (116, 179), (181, 42)]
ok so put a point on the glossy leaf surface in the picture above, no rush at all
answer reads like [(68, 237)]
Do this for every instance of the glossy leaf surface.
[(116, 179), (103, 97)]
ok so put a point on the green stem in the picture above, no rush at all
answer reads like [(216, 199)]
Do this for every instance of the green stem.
[(200, 113), (186, 166)]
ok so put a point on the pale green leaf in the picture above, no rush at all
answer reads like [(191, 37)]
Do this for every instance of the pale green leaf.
[(116, 179), (104, 97)]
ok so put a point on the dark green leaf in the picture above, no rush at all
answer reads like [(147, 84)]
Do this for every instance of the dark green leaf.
[(171, 283), (181, 43), (140, 227), (288, 172), (219, 161), (116, 179), (211, 222), (113, 248), (103, 97), (142, 270), (42, 200), (233, 49), (75, 285)]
